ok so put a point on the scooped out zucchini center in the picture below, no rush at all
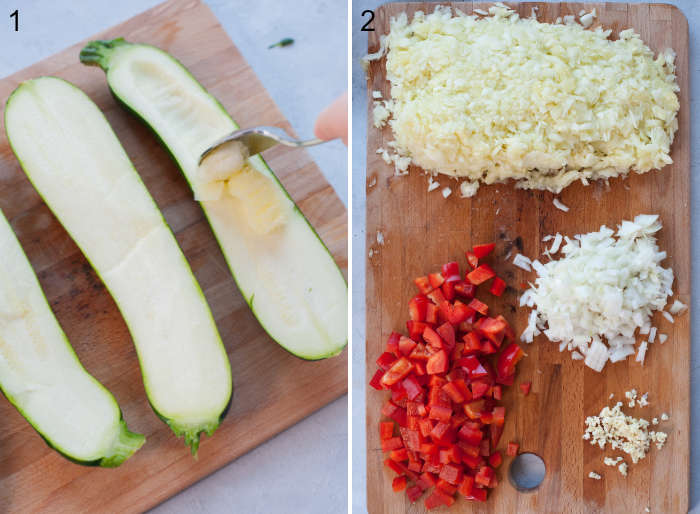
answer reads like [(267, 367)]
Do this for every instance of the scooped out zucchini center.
[(227, 171)]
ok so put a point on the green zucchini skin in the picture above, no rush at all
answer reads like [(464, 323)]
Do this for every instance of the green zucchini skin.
[(191, 435), (99, 53), (128, 442)]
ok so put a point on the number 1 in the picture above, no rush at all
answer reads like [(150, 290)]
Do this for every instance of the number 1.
[(15, 15)]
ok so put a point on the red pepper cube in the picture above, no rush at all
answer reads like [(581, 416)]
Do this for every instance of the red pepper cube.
[(465, 488), (451, 473), (446, 487), (477, 495), (497, 392), (399, 484), (512, 449), (442, 434), (437, 363), (484, 476), (399, 455), (436, 280), (469, 450), (440, 413), (411, 439), (472, 259), (472, 462), (499, 415), (414, 493), (482, 250), (394, 466), (450, 271), (479, 307), (392, 344), (423, 285), (453, 392), (386, 430), (415, 329), (474, 409), (447, 333), (406, 346), (397, 372), (496, 459), (497, 286), (481, 274), (417, 307), (495, 432), (431, 313), (470, 435), (436, 297), (525, 388), (448, 289), (386, 360), (465, 289), (427, 480), (484, 449), (394, 443), (376, 381), (479, 389), (507, 360), (493, 329), (433, 338), (425, 427)]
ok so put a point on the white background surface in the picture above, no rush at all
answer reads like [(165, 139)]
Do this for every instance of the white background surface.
[(304, 469), (691, 9)]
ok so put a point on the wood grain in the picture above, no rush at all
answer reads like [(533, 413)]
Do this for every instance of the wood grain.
[(422, 230), (272, 388)]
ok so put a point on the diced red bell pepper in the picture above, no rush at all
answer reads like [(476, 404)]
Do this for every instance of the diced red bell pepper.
[(479, 389), (399, 484), (414, 493), (423, 285), (497, 392), (506, 381), (472, 259), (448, 289), (386, 360), (436, 280), (507, 360), (437, 499), (497, 286), (468, 449), (459, 313), (465, 289), (399, 455), (406, 345), (450, 271), (411, 438), (495, 432), (447, 332), (386, 430), (486, 417), (417, 307), (446, 487), (398, 371), (436, 297), (465, 488), (495, 459), (525, 387), (442, 434), (394, 466), (376, 381), (393, 411), (470, 435), (481, 274), (392, 444), (483, 250), (484, 476), (415, 329), (472, 344), (493, 328), (412, 387), (472, 462), (512, 449), (453, 392), (477, 495), (431, 313), (392, 344), (427, 480), (474, 409), (499, 415), (510, 335), (437, 363), (479, 307), (451, 473), (440, 413), (433, 339), (425, 427), (428, 449)]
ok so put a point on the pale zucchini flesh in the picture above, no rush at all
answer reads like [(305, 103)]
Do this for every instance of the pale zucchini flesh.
[(287, 276), (74, 160), (42, 376)]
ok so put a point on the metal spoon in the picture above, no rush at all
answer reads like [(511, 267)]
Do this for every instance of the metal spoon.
[(259, 139)]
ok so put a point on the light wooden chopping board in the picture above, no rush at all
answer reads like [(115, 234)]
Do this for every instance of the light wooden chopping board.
[(422, 230), (272, 388)]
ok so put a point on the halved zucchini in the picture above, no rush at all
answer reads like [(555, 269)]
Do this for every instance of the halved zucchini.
[(42, 376), (74, 160), (285, 272)]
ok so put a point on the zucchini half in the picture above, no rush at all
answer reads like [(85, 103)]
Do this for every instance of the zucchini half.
[(42, 377), (74, 160), (287, 276)]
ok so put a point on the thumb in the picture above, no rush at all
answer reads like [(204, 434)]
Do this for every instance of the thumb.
[(333, 120)]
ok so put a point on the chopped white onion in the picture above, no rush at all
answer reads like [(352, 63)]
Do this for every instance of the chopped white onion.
[(662, 338), (677, 307), (652, 335), (667, 316), (641, 353), (522, 262), (560, 205), (446, 191)]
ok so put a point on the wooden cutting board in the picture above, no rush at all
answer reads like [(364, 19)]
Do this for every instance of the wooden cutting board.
[(422, 230), (272, 388)]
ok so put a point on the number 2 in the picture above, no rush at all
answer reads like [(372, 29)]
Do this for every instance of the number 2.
[(365, 27)]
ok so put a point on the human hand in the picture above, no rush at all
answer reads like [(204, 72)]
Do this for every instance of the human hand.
[(333, 120)]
